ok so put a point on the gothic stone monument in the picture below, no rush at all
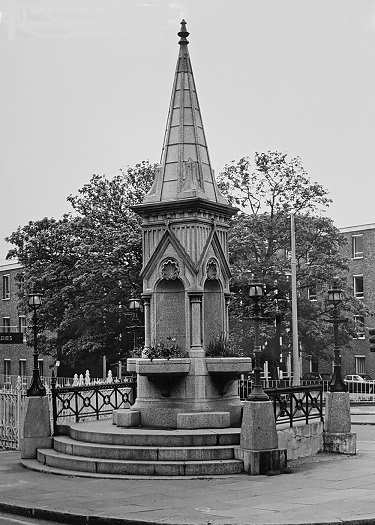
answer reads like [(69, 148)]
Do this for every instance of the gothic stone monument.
[(186, 276)]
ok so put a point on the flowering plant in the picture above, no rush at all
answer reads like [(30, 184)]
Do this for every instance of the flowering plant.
[(223, 346), (164, 350)]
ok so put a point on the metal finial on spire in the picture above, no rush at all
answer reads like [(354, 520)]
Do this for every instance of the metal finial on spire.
[(183, 34)]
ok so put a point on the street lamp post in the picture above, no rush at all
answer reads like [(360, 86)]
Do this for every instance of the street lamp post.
[(335, 298), (35, 301), (256, 293), (134, 305)]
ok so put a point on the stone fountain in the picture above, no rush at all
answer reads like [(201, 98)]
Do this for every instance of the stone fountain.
[(185, 222)]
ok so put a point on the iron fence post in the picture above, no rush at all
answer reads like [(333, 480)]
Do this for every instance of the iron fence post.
[(54, 402)]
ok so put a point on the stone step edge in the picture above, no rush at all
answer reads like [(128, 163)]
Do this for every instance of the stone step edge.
[(121, 436), (71, 441), (36, 466), (84, 459), (90, 427), (67, 445)]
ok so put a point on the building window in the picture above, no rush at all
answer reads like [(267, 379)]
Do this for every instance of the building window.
[(22, 323), (7, 370), (311, 293), (22, 327), (358, 286), (6, 325), (22, 368), (6, 286), (41, 367), (359, 322), (360, 364), (357, 246)]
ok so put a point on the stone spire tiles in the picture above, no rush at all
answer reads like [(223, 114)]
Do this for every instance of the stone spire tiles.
[(185, 170)]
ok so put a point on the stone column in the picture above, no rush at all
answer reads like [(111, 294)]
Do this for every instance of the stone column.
[(227, 297), (147, 316), (196, 349), (196, 382)]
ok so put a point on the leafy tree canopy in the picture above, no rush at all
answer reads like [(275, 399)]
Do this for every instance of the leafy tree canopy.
[(267, 191), (87, 263)]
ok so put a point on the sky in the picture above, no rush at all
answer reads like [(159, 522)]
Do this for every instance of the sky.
[(85, 88)]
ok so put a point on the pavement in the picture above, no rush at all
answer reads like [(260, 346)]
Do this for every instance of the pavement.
[(321, 489)]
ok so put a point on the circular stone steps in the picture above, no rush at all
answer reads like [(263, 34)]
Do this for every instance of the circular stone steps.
[(98, 448), (67, 445), (104, 432), (55, 459)]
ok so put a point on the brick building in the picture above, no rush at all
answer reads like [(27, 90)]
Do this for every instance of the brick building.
[(16, 359), (360, 250)]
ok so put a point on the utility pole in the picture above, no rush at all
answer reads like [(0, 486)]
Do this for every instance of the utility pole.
[(296, 363)]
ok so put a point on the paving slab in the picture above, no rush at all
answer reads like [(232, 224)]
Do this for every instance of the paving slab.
[(322, 489)]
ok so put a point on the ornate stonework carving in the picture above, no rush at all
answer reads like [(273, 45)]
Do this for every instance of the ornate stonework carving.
[(170, 269), (212, 269), (191, 176)]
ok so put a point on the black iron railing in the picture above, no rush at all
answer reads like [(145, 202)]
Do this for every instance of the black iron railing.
[(80, 403), (297, 404)]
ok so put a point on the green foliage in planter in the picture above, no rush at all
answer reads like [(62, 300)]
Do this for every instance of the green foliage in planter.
[(223, 346), (163, 350)]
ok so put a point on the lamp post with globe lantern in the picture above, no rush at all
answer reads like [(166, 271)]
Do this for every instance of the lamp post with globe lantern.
[(35, 301), (335, 297)]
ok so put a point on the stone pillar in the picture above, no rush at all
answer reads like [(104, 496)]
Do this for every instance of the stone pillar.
[(196, 349), (147, 316), (337, 422), (227, 297), (259, 442), (35, 427)]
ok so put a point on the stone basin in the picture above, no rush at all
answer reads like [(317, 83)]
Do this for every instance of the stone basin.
[(225, 370), (146, 367), (164, 373), (225, 365)]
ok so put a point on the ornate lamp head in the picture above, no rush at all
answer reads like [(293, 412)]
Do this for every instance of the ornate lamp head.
[(34, 300), (335, 294), (256, 291), (134, 304)]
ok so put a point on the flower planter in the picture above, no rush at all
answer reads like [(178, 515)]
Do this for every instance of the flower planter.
[(225, 370), (163, 373)]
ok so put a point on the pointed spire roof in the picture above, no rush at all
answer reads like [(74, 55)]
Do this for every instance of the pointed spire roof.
[(185, 169)]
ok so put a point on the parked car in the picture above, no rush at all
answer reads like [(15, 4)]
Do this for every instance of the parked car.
[(357, 384), (366, 377), (311, 376), (316, 377)]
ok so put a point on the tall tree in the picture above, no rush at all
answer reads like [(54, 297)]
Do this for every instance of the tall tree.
[(87, 263), (267, 191)]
